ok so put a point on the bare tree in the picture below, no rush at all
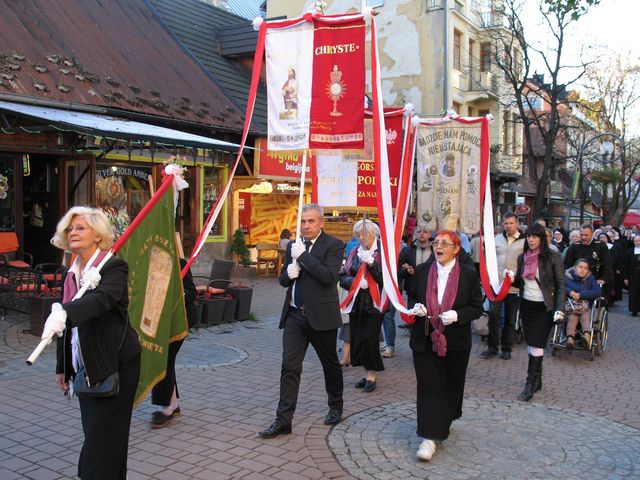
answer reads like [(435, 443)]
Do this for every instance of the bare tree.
[(612, 98), (538, 97)]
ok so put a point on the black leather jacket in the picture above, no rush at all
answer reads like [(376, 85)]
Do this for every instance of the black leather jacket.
[(550, 278)]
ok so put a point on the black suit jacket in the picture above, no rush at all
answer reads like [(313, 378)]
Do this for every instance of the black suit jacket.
[(318, 279), (468, 305)]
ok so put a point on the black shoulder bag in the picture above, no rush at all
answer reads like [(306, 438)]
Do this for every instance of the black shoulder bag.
[(109, 387)]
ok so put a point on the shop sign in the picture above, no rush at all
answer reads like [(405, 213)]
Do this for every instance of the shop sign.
[(287, 188), (286, 164), (522, 209), (121, 172)]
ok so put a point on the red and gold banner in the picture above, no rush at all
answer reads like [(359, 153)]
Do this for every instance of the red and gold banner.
[(337, 93)]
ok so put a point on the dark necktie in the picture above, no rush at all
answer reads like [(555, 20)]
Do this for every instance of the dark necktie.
[(297, 291)]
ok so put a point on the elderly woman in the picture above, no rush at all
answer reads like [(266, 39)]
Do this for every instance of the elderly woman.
[(632, 276), (449, 297), (581, 288), (362, 277), (95, 341), (540, 276)]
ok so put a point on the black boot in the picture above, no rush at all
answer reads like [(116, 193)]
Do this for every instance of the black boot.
[(539, 379), (533, 372)]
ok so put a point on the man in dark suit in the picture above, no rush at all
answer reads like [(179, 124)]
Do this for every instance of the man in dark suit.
[(311, 314)]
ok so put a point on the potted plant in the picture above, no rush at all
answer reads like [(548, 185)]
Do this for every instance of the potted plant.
[(242, 293), (213, 307), (239, 249), (40, 308)]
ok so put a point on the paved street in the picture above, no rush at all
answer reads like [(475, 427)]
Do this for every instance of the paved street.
[(585, 423)]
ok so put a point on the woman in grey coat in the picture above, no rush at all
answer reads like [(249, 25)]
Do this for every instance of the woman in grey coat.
[(540, 276)]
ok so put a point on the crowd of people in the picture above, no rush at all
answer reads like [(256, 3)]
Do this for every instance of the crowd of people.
[(553, 273)]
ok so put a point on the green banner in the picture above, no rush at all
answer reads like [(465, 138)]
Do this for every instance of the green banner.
[(156, 297)]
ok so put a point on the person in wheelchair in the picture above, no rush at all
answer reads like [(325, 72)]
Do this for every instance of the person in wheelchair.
[(582, 288)]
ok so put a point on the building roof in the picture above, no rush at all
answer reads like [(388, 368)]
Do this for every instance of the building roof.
[(246, 8), (214, 36), (112, 54)]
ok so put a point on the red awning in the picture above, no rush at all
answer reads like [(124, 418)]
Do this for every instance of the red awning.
[(631, 219)]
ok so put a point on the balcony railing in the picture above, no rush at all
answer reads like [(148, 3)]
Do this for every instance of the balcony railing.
[(492, 19)]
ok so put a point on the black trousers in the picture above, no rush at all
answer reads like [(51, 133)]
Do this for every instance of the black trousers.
[(511, 304), (440, 387), (296, 337), (163, 391), (106, 423)]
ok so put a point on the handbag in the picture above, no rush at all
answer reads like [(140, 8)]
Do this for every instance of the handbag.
[(480, 326), (109, 387), (576, 306)]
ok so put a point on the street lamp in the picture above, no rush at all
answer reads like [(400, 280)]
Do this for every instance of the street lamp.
[(606, 150)]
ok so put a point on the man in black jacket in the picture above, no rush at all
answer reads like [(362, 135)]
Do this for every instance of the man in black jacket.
[(311, 314), (410, 257)]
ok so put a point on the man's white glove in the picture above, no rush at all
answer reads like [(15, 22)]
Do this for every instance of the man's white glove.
[(509, 273), (293, 270), (558, 317), (56, 322), (297, 249), (419, 310), (364, 285), (448, 317), (92, 278), (366, 256)]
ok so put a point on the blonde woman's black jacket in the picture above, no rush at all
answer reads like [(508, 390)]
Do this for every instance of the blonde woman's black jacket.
[(550, 278), (101, 317)]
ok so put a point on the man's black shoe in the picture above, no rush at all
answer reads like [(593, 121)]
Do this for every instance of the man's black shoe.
[(506, 355), (489, 353), (333, 416), (277, 428)]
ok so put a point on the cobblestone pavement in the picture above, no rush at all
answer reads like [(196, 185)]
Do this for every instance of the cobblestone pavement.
[(585, 423)]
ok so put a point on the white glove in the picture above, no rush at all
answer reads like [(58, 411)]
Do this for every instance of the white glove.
[(448, 317), (293, 270), (509, 273), (91, 278), (364, 285), (558, 317), (297, 249), (56, 322), (366, 256), (419, 310)]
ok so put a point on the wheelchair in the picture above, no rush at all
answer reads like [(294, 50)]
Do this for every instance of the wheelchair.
[(598, 329)]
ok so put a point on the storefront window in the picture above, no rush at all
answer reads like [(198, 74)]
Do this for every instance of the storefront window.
[(213, 182), (122, 191), (7, 219)]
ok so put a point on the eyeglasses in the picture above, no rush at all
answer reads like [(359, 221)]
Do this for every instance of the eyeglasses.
[(442, 243), (78, 228)]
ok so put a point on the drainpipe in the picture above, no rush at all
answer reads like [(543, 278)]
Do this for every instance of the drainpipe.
[(445, 87)]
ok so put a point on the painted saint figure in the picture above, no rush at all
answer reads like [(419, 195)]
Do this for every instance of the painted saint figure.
[(290, 95)]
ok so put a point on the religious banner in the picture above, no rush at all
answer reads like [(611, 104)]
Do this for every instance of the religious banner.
[(156, 296), (315, 83), (346, 178), (448, 176)]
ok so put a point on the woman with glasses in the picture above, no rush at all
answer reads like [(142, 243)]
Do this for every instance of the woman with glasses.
[(96, 340), (449, 297), (540, 276), (362, 277)]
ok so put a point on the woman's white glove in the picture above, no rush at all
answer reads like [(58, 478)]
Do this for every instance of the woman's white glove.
[(366, 256), (91, 279), (364, 285), (558, 317), (56, 322), (297, 249), (509, 273), (448, 317), (419, 310), (293, 270)]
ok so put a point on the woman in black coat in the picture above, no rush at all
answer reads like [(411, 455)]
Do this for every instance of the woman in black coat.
[(449, 298), (540, 277), (632, 276), (95, 334), (365, 312)]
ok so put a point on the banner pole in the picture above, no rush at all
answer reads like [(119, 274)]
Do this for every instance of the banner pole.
[(301, 195)]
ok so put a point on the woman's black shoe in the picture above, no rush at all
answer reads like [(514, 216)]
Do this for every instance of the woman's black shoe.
[(361, 383)]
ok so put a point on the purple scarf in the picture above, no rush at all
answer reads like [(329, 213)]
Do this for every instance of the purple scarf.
[(531, 264), (434, 308), (70, 287)]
